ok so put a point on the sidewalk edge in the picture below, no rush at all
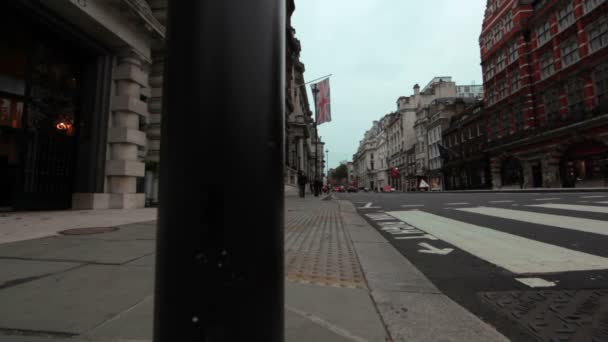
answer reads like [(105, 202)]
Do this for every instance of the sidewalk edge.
[(379, 295)]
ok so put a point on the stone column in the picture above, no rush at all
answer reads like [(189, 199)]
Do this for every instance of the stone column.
[(125, 137)]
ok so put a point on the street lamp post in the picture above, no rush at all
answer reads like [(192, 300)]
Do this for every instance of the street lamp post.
[(215, 281), (315, 91)]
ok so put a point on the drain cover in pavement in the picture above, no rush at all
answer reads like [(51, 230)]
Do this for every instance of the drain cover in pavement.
[(566, 315), (88, 231)]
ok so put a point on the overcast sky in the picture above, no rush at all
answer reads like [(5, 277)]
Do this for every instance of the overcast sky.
[(377, 50)]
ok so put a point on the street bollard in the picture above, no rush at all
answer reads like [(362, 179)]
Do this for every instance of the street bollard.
[(219, 270)]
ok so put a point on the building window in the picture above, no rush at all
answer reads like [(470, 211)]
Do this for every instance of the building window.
[(515, 84), (470, 133), (565, 16), (598, 33), (508, 21), (570, 51), (575, 96), (502, 89), (518, 114), (547, 66), (498, 32), (504, 124), (551, 99), (489, 70), (491, 95), (600, 77), (500, 61), (591, 4), (463, 137), (543, 33), (488, 42), (513, 54)]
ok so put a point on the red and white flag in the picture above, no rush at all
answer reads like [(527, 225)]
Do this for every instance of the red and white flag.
[(322, 101)]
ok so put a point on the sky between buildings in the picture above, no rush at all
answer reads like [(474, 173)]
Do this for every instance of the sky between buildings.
[(377, 50)]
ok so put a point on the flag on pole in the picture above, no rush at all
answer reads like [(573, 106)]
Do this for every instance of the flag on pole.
[(320, 92)]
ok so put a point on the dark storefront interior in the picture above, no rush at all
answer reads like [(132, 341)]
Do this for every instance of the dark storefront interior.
[(46, 116)]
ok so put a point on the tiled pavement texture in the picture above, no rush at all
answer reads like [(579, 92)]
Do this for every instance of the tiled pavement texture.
[(318, 249)]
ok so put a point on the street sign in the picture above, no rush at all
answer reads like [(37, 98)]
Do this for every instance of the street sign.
[(423, 184)]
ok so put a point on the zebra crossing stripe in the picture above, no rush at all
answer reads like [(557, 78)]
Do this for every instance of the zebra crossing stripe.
[(560, 221), (511, 252), (587, 208)]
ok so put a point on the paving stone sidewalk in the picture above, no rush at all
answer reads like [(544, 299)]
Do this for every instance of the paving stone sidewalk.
[(100, 287)]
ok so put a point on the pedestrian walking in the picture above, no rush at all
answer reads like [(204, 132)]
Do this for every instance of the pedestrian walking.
[(302, 183)]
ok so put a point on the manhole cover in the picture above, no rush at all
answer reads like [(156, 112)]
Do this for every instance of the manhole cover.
[(558, 315), (88, 231)]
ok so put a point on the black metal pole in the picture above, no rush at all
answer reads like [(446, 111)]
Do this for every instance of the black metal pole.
[(315, 91), (219, 273)]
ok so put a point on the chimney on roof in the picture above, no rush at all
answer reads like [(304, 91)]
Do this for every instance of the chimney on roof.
[(416, 89)]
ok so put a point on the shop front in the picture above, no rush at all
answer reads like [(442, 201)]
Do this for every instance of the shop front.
[(47, 113), (585, 165)]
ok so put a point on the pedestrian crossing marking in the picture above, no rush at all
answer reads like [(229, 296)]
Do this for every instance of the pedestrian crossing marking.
[(506, 201), (598, 196), (561, 221), (587, 208), (547, 199), (535, 282), (458, 203), (603, 202), (511, 252)]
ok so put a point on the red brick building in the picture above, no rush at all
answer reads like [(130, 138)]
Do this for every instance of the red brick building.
[(545, 69)]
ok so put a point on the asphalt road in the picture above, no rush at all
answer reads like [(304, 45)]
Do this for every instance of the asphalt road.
[(534, 265)]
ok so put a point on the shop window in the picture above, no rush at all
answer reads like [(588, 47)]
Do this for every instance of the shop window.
[(511, 172), (575, 96), (598, 33), (565, 16), (547, 67), (543, 33), (570, 51)]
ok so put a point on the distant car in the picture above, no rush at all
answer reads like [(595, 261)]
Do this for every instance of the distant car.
[(388, 188), (336, 189), (352, 189)]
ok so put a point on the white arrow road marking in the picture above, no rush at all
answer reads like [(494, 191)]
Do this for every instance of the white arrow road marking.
[(547, 220), (587, 208), (368, 206), (535, 282), (434, 250), (514, 253)]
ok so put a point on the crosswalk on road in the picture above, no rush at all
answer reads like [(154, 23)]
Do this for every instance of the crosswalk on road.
[(517, 254)]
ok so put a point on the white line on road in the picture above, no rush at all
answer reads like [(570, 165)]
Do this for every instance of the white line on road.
[(514, 253), (412, 205), (506, 201), (547, 199), (603, 202), (458, 203), (535, 282), (586, 208), (368, 206), (560, 221), (597, 196)]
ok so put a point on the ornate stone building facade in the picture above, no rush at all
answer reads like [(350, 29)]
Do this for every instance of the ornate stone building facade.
[(545, 66)]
